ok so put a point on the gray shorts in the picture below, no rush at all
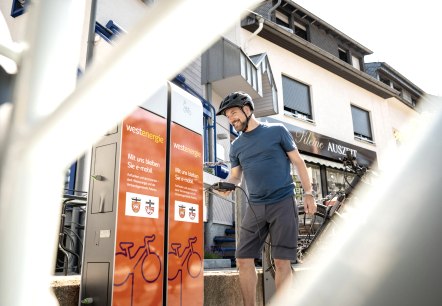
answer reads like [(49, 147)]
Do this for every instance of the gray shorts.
[(280, 220)]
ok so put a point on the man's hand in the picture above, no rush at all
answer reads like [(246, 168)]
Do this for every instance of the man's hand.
[(310, 206), (223, 188), (223, 193)]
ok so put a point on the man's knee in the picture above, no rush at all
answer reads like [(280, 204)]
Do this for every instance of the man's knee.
[(245, 263), (282, 264)]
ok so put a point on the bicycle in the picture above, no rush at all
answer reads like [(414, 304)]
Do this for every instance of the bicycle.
[(70, 241), (312, 229)]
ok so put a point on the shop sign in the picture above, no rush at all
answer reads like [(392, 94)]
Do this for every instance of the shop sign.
[(325, 146)]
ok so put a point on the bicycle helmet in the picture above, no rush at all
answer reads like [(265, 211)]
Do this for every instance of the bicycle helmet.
[(235, 99)]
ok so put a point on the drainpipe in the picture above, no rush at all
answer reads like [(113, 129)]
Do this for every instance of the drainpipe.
[(261, 25), (91, 34), (274, 8)]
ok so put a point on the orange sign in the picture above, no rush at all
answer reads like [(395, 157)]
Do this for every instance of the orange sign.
[(139, 246), (186, 245)]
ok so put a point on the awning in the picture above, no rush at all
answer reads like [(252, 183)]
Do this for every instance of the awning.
[(320, 161)]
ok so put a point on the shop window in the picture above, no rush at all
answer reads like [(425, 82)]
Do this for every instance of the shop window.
[(315, 176), (314, 173), (296, 99), (337, 180), (361, 124)]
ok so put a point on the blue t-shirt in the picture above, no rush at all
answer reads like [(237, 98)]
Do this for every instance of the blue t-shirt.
[(261, 153)]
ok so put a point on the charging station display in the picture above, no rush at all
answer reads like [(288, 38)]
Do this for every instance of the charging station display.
[(186, 245), (139, 246)]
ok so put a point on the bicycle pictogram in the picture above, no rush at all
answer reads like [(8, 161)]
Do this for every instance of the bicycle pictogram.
[(188, 258), (143, 261), (188, 261)]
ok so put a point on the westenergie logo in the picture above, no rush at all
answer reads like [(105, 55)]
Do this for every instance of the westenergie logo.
[(147, 134), (183, 148)]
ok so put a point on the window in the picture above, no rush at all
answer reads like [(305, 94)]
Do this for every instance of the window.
[(314, 173), (296, 98), (406, 95), (356, 62), (282, 19), (361, 124), (300, 30), (397, 87), (343, 55), (337, 180), (384, 80)]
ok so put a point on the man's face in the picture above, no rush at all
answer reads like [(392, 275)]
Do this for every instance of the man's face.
[(236, 118)]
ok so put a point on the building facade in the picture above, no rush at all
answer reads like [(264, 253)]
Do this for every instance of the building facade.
[(300, 71)]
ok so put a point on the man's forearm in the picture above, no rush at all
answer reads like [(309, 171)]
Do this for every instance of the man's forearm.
[(303, 175), (305, 179), (234, 180)]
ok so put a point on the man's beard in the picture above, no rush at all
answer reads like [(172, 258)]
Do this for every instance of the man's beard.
[(240, 127)]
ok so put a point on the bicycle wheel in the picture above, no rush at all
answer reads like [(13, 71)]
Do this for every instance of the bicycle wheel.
[(151, 267), (194, 264), (123, 269)]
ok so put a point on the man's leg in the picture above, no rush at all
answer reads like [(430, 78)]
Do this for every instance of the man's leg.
[(247, 280), (283, 272)]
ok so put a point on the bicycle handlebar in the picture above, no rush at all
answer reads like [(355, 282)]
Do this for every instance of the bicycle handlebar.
[(351, 162)]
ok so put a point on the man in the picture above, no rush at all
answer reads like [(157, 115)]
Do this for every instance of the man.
[(263, 153)]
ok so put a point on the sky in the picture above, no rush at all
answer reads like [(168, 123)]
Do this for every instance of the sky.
[(404, 34)]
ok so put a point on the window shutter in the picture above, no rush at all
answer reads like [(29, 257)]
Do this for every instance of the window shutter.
[(296, 96), (361, 122)]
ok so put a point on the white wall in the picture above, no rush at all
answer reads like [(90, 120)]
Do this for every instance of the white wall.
[(331, 99)]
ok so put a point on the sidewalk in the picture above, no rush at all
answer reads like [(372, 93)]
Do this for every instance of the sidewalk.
[(221, 287)]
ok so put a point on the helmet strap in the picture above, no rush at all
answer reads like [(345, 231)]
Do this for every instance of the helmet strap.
[(247, 120)]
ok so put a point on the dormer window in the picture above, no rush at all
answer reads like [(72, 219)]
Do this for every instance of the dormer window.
[(300, 30), (282, 19), (384, 80), (295, 27), (355, 62), (343, 54), (407, 96)]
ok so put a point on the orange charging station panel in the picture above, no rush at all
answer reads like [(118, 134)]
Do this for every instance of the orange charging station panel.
[(144, 225), (139, 246), (186, 245)]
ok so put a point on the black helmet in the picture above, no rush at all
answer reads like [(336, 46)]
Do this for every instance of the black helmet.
[(235, 99)]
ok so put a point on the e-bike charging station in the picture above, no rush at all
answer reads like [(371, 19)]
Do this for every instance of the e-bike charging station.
[(144, 226)]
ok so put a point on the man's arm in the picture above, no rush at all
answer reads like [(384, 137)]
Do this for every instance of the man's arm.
[(298, 162), (234, 177)]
